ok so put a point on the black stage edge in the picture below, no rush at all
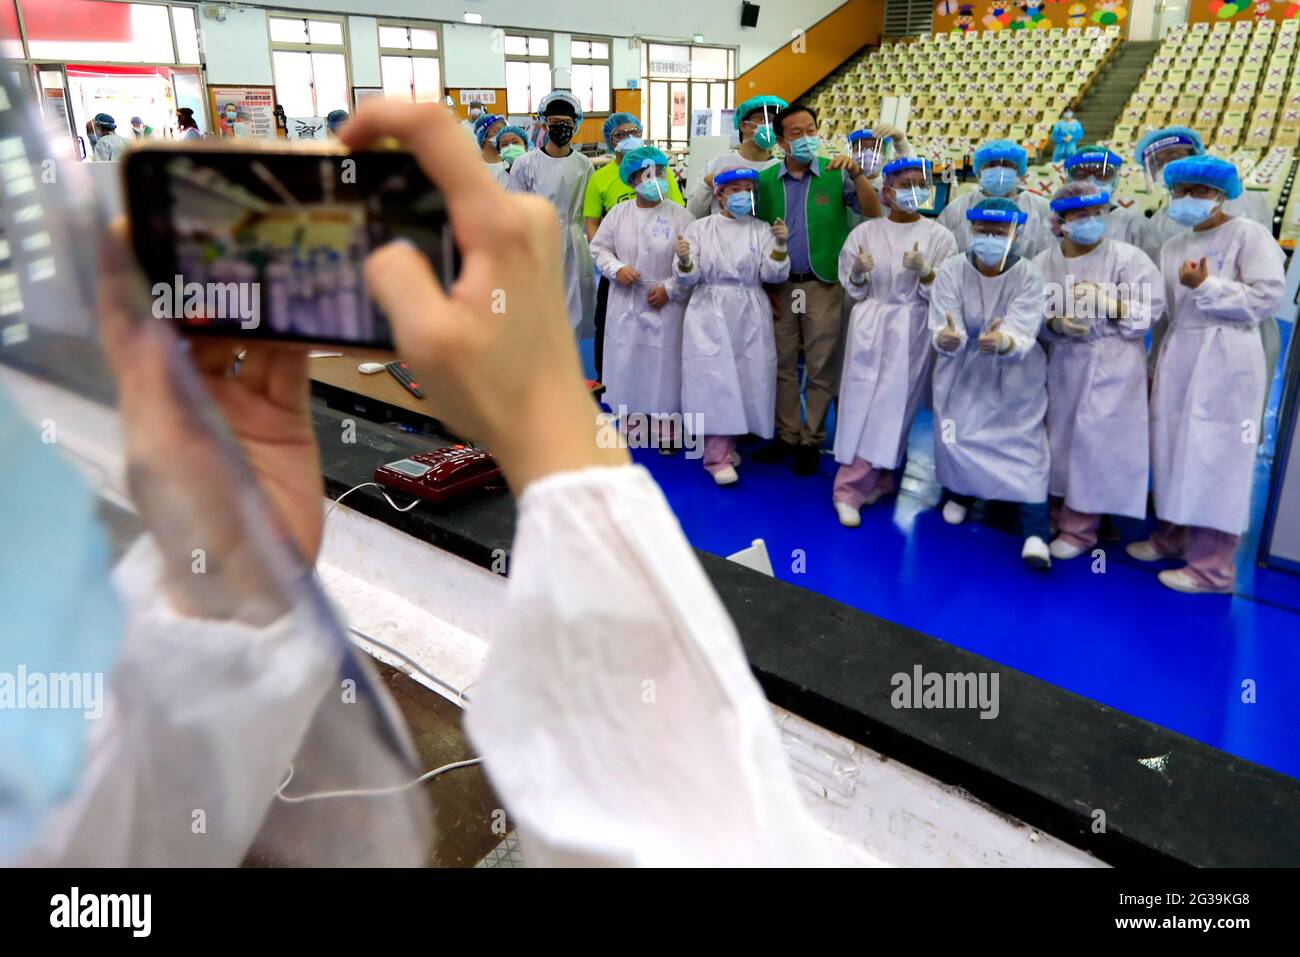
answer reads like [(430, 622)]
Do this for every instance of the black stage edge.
[(1051, 758)]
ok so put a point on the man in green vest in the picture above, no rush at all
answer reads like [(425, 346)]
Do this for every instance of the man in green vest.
[(813, 195)]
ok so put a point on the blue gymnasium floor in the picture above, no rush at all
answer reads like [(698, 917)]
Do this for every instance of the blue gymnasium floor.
[(1120, 638)]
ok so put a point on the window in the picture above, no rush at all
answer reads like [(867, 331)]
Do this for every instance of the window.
[(98, 30), (408, 62), (528, 71), (310, 62), (676, 80), (590, 74)]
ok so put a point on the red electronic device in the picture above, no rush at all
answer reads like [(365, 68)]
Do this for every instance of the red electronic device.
[(441, 475)]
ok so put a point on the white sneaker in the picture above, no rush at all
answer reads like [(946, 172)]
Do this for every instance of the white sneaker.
[(1144, 551), (1180, 580), (727, 476), (1063, 550), (954, 513), (1036, 554), (850, 517)]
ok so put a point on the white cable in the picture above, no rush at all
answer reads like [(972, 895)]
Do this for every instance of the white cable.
[(368, 792)]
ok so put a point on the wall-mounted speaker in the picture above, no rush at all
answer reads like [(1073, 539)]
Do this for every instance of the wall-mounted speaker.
[(749, 14)]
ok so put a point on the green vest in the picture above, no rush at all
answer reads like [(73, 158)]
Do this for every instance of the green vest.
[(825, 213)]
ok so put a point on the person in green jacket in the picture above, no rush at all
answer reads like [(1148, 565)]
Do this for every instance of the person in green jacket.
[(813, 195), (605, 190)]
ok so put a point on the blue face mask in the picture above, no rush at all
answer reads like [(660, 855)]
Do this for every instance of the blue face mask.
[(1190, 211), (653, 189), (740, 204), (62, 621), (1085, 232), (765, 137), (804, 149), (998, 180), (990, 250), (629, 143)]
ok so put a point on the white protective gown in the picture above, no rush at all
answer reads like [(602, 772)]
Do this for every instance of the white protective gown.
[(592, 775), (1210, 376), (990, 410), (643, 345), (728, 341), (1159, 229), (887, 353), (564, 182), (205, 714), (1125, 225), (1031, 238), (1097, 385), (701, 202)]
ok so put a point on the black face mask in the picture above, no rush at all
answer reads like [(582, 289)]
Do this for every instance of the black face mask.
[(560, 134)]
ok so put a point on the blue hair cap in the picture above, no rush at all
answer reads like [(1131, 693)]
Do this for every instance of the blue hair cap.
[(773, 103), (484, 123), (1002, 150), (734, 176), (638, 159), (614, 122), (1156, 140), (1206, 171), (904, 163), (1080, 202), (519, 131), (996, 210)]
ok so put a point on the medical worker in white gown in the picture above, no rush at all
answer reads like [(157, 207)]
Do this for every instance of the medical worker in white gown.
[(1223, 279), (1155, 151), (990, 378), (559, 173), (1001, 166), (887, 268), (728, 341), (1102, 298), (592, 776), (634, 250)]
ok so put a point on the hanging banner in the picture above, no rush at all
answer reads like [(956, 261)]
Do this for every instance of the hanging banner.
[(244, 110), (485, 97)]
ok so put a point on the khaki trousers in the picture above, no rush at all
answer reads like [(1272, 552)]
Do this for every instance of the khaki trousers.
[(808, 314)]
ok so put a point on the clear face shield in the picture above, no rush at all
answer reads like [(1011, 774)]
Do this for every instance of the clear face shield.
[(224, 669), (993, 242), (760, 130), (648, 182), (1157, 157), (871, 154), (910, 190), (1102, 174)]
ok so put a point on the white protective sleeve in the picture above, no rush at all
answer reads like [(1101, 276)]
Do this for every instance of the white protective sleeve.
[(617, 716), (201, 716)]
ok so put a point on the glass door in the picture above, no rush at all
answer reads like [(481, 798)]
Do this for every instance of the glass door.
[(54, 101)]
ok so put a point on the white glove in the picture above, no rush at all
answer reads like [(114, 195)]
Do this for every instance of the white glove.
[(915, 261)]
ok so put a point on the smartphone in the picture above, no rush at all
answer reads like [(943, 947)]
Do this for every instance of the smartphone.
[(269, 242)]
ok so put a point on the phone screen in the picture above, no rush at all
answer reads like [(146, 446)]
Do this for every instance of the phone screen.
[(267, 245)]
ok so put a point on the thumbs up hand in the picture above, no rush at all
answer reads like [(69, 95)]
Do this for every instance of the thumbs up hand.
[(915, 261), (949, 337), (1191, 273), (683, 249), (780, 231), (992, 340)]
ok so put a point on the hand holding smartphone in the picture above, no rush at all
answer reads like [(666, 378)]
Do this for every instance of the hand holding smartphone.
[(269, 243)]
